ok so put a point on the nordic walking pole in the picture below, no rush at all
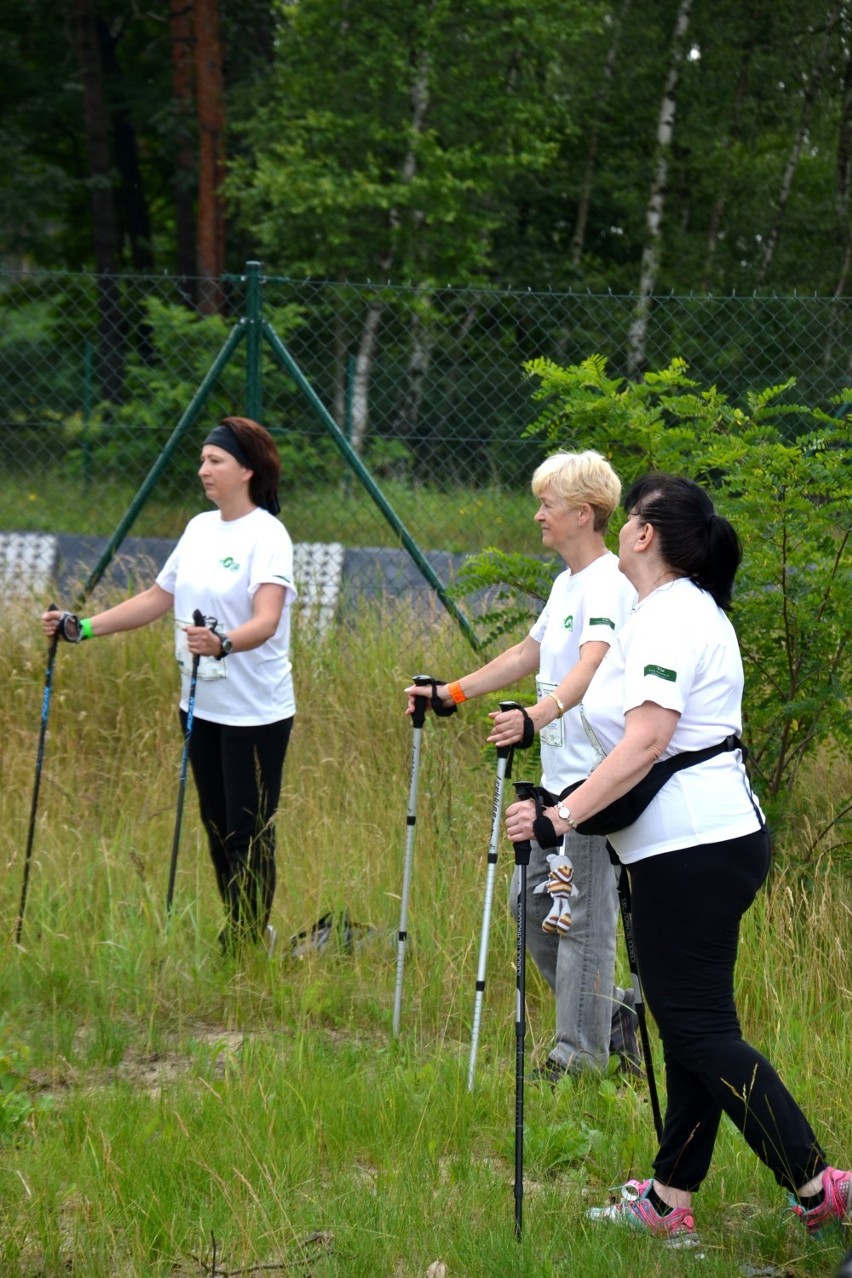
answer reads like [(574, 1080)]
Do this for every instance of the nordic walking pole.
[(418, 718), (198, 620), (523, 790), (504, 769), (624, 902), (45, 710)]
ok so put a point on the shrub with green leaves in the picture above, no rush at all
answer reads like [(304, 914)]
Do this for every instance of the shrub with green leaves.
[(782, 473)]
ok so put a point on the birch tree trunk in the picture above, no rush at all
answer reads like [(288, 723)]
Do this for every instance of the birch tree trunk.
[(808, 99), (210, 108), (650, 265), (421, 330), (360, 403), (578, 238)]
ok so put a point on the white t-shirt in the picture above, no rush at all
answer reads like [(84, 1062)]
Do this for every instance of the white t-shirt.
[(590, 605), (678, 650), (216, 567)]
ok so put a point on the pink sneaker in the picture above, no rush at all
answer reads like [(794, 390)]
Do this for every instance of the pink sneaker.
[(676, 1227), (835, 1208)]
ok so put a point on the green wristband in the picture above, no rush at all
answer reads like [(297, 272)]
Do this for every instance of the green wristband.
[(86, 631)]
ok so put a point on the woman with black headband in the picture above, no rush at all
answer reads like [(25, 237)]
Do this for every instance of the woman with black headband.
[(235, 566)]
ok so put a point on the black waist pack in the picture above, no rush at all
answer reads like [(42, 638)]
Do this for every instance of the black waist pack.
[(624, 811)]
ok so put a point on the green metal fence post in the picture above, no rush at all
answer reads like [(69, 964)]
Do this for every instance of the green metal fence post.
[(254, 341), (146, 488), (343, 444), (350, 394)]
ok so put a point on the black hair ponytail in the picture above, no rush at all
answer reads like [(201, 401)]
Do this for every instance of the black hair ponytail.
[(694, 540)]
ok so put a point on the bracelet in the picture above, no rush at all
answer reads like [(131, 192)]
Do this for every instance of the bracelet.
[(86, 631), (559, 704), (565, 815), (454, 689)]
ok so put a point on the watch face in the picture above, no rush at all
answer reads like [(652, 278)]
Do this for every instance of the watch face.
[(227, 646)]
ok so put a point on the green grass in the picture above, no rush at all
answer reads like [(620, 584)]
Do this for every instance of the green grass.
[(457, 520), (162, 1110)]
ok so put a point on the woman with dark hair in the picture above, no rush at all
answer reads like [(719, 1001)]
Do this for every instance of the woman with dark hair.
[(672, 682), (235, 566)]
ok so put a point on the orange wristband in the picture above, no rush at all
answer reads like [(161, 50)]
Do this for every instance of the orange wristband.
[(454, 689)]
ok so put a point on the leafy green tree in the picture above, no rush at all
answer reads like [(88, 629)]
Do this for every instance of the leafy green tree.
[(388, 147)]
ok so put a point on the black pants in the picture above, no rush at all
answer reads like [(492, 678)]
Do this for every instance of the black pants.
[(687, 907), (237, 773)]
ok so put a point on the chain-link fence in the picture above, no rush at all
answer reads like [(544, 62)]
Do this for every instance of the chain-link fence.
[(421, 389)]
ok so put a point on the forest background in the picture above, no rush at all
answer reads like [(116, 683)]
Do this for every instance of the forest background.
[(606, 147)]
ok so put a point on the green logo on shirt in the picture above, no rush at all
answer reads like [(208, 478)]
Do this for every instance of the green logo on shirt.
[(568, 623), (230, 563), (602, 621), (662, 673)]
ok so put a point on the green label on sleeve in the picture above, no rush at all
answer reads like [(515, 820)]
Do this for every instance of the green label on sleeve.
[(602, 621), (662, 673)]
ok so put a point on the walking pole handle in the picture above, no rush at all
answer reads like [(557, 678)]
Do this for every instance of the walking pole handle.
[(506, 752), (438, 707), (528, 734), (525, 790), (418, 714)]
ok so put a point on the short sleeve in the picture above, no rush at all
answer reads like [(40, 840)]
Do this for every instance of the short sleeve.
[(167, 576), (659, 666), (540, 626), (272, 562), (605, 609)]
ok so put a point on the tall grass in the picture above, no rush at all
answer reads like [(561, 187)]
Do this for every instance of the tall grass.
[(163, 1111), (460, 519)]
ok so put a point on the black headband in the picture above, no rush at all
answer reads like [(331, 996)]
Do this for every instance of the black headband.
[(224, 437)]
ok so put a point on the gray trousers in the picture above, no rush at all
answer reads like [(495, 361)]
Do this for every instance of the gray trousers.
[(579, 967)]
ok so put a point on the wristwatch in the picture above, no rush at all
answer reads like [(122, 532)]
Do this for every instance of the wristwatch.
[(564, 814), (225, 646)]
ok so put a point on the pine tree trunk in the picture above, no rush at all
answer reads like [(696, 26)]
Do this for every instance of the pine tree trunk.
[(841, 200), (638, 335), (110, 320), (210, 109), (131, 191), (808, 99), (578, 239), (180, 30), (733, 136)]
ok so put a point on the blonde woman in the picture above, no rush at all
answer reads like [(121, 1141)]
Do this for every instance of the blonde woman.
[(589, 601)]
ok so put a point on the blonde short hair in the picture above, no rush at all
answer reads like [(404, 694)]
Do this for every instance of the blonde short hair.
[(579, 478)]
